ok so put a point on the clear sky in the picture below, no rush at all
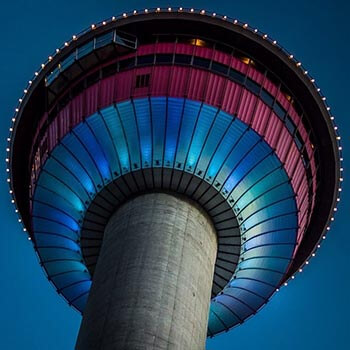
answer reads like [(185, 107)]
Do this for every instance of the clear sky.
[(313, 311)]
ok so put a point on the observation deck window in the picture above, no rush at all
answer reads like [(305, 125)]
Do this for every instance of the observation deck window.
[(279, 110), (201, 62), (164, 58), (182, 59), (145, 60)]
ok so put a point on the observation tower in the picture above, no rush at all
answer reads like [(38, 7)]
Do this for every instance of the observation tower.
[(173, 169)]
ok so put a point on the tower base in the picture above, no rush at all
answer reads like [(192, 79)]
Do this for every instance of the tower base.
[(152, 283)]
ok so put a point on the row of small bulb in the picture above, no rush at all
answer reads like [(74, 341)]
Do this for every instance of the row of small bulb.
[(188, 10)]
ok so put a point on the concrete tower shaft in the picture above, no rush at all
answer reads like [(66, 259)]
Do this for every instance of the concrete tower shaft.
[(152, 283)]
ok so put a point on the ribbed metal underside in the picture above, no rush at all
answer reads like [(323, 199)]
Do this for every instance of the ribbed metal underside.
[(117, 192), (186, 146)]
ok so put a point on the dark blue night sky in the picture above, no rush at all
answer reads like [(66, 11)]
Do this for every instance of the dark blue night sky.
[(312, 312)]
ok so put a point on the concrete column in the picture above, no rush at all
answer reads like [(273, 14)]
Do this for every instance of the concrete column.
[(152, 284)]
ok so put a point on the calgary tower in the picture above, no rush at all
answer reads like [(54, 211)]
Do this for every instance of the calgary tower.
[(173, 169)]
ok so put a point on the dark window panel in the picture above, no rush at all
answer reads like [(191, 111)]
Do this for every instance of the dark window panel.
[(253, 86), (290, 125), (219, 68), (142, 80), (128, 63), (145, 60), (201, 62), (236, 76), (267, 97), (279, 110), (183, 59), (299, 141), (164, 58), (104, 39)]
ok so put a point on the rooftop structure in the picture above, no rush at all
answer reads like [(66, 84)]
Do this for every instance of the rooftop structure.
[(169, 128)]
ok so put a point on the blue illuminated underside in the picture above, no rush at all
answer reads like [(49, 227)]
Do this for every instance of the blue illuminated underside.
[(172, 133)]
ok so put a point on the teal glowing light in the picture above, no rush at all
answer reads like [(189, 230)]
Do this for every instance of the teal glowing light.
[(173, 133)]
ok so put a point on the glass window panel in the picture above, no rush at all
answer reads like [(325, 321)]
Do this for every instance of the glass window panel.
[(116, 131), (94, 149), (159, 111), (57, 200), (127, 117), (43, 210), (217, 131), (201, 62), (190, 114), (219, 68), (267, 97), (85, 49), (183, 59), (82, 156), (254, 301), (252, 86), (202, 129), (236, 76), (104, 40), (145, 60), (279, 110), (240, 309), (142, 110), (174, 117), (105, 140), (67, 183), (68, 61), (76, 290), (75, 167), (290, 125), (57, 267), (81, 302), (54, 240), (164, 58), (43, 225), (269, 277), (56, 253), (68, 278), (228, 141)]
